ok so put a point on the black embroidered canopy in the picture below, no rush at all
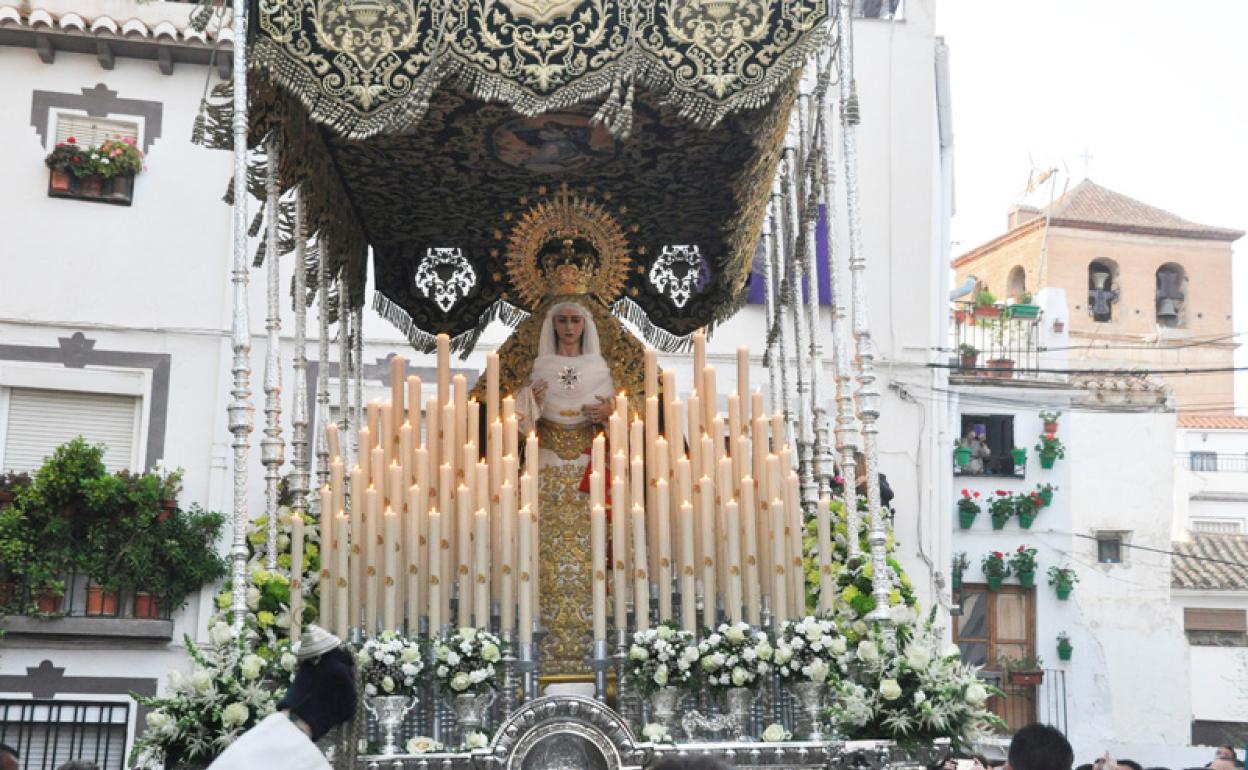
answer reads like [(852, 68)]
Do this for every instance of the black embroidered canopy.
[(430, 130)]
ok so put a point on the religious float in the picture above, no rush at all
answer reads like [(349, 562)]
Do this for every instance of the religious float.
[(571, 562)]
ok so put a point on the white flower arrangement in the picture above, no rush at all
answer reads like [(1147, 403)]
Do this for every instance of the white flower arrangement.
[(422, 745), (229, 691), (901, 686), (812, 650), (656, 733), (390, 665), (735, 655), (663, 656), (476, 740), (465, 660)]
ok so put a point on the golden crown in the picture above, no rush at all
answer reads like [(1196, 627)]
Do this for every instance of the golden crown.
[(566, 268)]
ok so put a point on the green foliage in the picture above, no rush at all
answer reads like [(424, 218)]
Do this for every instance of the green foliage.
[(1050, 446), (1063, 576), (985, 297)]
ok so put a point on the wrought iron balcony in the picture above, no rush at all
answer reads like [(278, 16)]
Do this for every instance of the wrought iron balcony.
[(1024, 704), (996, 342)]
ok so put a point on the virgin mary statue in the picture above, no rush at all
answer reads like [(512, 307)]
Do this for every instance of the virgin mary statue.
[(564, 365)]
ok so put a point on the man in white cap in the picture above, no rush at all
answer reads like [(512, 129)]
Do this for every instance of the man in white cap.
[(321, 697)]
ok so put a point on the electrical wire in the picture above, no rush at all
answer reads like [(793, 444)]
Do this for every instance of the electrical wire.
[(1107, 346), (1119, 371)]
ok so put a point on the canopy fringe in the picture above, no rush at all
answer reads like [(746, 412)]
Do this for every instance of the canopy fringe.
[(463, 343)]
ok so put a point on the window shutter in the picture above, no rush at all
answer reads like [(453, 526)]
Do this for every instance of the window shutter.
[(1199, 619), (92, 132), (47, 734), (41, 420)]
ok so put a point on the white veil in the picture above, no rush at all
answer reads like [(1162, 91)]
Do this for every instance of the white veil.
[(546, 345)]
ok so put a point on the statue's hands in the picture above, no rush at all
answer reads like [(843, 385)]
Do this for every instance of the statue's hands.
[(539, 388), (600, 411)]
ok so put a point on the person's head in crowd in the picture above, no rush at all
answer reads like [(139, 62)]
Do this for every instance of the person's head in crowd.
[(1084, 766), (1040, 747), (1223, 764), (323, 691), (689, 763), (78, 764), (1226, 752), (8, 757), (1131, 764)]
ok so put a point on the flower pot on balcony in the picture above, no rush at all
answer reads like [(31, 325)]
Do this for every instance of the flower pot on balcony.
[(1002, 368), (1025, 520), (1020, 456), (119, 188), (994, 583), (60, 181), (145, 606), (1046, 461), (1063, 591), (167, 509), (987, 311), (1064, 650), (48, 602), (6, 497), (962, 456), (101, 602), (960, 317), (968, 360), (998, 522), (7, 591), (1046, 496), (956, 580), (1026, 677), (1050, 426), (966, 519), (91, 186), (1059, 327), (1027, 579), (1024, 311)]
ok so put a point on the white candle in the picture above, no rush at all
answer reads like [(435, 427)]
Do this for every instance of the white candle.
[(325, 609), (422, 535), (699, 359), (598, 555), (749, 518), (507, 597), (743, 375), (414, 403), (364, 455), (823, 531), (797, 575), (444, 368), (733, 525), (481, 567), (707, 498), (435, 572), (664, 539), (332, 442), (688, 579), (779, 545), (398, 375), (341, 549), (355, 546), (385, 439), (296, 573), (412, 542), (641, 580), (651, 371), (491, 387), (463, 560), (372, 602), (710, 398), (524, 542), (460, 387), (390, 587), (619, 546)]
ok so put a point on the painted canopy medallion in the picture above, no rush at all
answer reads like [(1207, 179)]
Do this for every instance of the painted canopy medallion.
[(366, 67)]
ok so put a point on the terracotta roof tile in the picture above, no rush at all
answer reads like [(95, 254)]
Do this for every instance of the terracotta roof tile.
[(1211, 562), (1089, 203), (1213, 421)]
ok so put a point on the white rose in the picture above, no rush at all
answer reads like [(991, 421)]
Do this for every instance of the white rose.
[(201, 681), (443, 651), (918, 656), (837, 646), (220, 634), (410, 669), (283, 542), (421, 745), (251, 666), (691, 655), (813, 633), (665, 632), (775, 732), (901, 614), (637, 652), (951, 651), (818, 671), (490, 652), (460, 682), (868, 652), (234, 715), (476, 740), (387, 684), (176, 681), (289, 661), (890, 689), (976, 694), (370, 689), (660, 676), (739, 677), (476, 676), (410, 654), (283, 620), (763, 650), (158, 720), (654, 732), (735, 634), (468, 633), (783, 655), (253, 598), (452, 658)]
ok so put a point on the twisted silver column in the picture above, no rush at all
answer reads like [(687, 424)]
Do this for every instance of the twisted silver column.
[(345, 423), (775, 286), (272, 449), (301, 476), (868, 392), (322, 367), (241, 408), (774, 395), (795, 244)]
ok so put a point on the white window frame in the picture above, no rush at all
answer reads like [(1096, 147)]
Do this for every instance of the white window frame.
[(1238, 523), (94, 379), (55, 113)]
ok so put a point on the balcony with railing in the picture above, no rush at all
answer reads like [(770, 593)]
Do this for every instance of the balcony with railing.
[(1023, 704), (1213, 462), (998, 342)]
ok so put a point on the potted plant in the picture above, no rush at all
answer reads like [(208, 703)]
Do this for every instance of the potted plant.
[(120, 161), (102, 601), (995, 569), (1002, 368), (10, 484), (47, 586), (986, 305), (960, 565), (968, 356), (968, 508), (1001, 508), (961, 455), (1022, 671), (63, 164), (1050, 421), (1063, 580), (1023, 564), (1064, 648), (1026, 507), (15, 553), (1023, 308), (1045, 491), (1019, 455), (185, 559), (1050, 448)]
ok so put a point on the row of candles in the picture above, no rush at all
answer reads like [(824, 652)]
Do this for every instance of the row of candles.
[(705, 521)]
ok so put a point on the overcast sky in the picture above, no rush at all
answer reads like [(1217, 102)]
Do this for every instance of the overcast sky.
[(1155, 92)]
